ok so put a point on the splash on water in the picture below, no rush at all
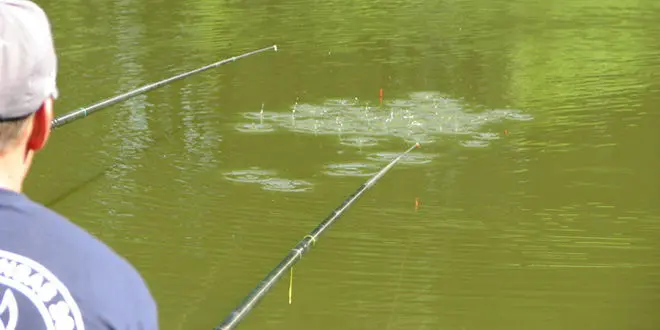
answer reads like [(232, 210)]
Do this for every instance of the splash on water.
[(359, 141), (474, 143), (257, 124), (255, 128), (424, 117)]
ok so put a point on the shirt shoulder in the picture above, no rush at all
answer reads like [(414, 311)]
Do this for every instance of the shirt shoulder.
[(99, 288)]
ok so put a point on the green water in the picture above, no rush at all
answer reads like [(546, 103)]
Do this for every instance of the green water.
[(537, 178)]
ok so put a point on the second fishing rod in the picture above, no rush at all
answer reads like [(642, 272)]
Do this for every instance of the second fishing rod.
[(295, 254), (84, 112)]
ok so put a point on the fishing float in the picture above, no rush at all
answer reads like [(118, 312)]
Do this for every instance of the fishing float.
[(84, 112), (255, 296)]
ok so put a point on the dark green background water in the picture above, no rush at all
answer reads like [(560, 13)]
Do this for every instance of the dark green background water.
[(537, 179)]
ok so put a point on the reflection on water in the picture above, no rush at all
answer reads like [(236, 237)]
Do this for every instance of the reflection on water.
[(559, 238), (131, 132)]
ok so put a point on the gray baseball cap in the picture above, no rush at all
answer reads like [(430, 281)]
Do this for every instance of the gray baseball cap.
[(28, 64)]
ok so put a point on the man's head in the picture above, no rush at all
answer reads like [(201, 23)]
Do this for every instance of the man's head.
[(28, 70)]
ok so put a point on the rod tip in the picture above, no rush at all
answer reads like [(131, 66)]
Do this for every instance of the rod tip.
[(418, 145), (275, 47)]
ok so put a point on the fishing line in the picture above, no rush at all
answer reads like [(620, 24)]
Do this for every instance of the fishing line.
[(71, 191), (255, 296), (402, 269), (82, 113)]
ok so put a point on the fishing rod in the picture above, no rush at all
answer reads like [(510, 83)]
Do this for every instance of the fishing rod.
[(299, 250), (84, 112)]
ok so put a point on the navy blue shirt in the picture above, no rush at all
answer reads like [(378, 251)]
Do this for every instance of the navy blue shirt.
[(54, 275)]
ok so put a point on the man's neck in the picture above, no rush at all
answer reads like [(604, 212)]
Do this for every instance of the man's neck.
[(12, 172)]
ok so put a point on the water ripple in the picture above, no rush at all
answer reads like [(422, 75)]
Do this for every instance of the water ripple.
[(287, 185), (268, 181), (416, 158), (360, 141), (351, 169), (252, 175)]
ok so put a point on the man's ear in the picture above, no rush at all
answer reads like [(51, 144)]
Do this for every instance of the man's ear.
[(41, 126)]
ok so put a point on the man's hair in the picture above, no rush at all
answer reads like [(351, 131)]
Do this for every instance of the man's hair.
[(10, 130)]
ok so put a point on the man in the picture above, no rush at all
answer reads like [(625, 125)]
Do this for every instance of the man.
[(53, 274)]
